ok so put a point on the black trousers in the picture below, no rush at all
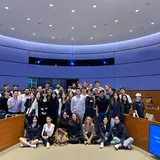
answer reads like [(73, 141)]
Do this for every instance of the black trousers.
[(75, 139), (48, 140)]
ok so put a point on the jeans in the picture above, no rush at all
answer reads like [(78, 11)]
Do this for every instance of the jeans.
[(126, 143), (102, 139), (112, 122)]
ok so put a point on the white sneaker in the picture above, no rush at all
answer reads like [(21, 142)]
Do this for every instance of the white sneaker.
[(129, 147), (40, 142), (34, 146), (22, 145), (116, 147), (47, 145), (101, 145)]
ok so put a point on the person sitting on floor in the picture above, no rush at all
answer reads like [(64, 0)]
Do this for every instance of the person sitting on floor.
[(88, 129), (47, 132), (118, 133), (104, 132), (61, 135), (33, 132), (75, 130)]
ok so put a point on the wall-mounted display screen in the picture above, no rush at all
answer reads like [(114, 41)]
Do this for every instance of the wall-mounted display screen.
[(154, 140)]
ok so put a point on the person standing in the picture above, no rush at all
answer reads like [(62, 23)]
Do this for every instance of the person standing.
[(126, 104), (102, 106), (14, 104), (78, 104), (138, 106), (122, 93)]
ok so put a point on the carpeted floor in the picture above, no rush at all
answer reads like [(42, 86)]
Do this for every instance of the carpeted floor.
[(74, 152)]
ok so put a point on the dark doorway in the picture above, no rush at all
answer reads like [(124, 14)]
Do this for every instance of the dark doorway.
[(71, 81)]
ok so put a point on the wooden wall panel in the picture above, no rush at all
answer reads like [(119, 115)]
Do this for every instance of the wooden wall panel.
[(138, 129), (10, 131)]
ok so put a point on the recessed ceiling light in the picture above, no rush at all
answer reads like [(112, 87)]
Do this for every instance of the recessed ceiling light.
[(51, 5), (130, 30), (34, 34), (136, 10), (50, 25), (6, 7), (72, 27), (94, 26), (12, 29), (152, 23), (91, 37), (94, 6), (110, 35), (28, 19), (116, 20), (52, 37), (72, 38), (73, 11)]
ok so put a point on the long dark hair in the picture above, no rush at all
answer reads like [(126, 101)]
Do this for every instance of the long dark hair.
[(55, 98), (127, 102), (41, 96), (71, 122), (31, 120), (118, 99)]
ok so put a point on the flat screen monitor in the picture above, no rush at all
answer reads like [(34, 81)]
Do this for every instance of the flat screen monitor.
[(154, 140)]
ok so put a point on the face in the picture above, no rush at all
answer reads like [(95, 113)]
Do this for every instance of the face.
[(90, 86), (122, 91), (105, 120), (7, 94), (116, 120), (44, 94), (53, 95), (32, 96), (63, 96), (110, 91), (70, 94), (115, 96), (40, 89), (61, 89), (107, 88), (34, 120), (74, 117), (47, 85), (124, 98), (78, 92), (48, 120), (138, 98), (88, 120), (85, 84), (89, 92), (38, 95), (69, 89), (97, 85), (79, 85), (64, 115), (33, 90), (49, 92), (58, 86), (15, 88), (8, 87), (5, 88), (84, 91), (73, 86), (101, 94), (15, 94), (26, 91)]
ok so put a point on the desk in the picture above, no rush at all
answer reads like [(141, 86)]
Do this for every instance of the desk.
[(138, 129), (155, 112), (10, 131)]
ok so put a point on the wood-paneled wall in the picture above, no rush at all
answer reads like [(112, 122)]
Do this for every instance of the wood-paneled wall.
[(154, 94), (11, 130)]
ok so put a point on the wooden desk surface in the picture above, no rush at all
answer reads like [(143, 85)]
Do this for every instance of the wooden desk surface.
[(10, 131), (138, 129)]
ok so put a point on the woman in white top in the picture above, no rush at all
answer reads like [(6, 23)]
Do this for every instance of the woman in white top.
[(47, 132)]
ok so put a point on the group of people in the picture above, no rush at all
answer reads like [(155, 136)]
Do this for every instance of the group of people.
[(83, 114)]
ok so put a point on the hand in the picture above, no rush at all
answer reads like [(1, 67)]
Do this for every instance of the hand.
[(97, 114), (106, 138), (45, 137), (89, 141), (66, 133)]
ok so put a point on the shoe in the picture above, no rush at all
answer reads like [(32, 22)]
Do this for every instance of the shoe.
[(99, 140), (48, 145), (22, 145), (40, 142), (101, 145), (34, 146), (112, 142), (116, 147), (129, 147), (85, 142)]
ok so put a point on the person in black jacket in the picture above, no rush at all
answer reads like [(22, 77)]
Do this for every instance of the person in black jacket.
[(120, 138), (126, 104), (75, 130), (3, 101), (104, 130), (33, 132), (116, 109), (53, 108)]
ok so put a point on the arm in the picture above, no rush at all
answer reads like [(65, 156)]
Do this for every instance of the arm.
[(101, 132), (92, 132), (72, 105), (129, 99), (60, 107), (53, 126), (97, 110), (38, 133), (84, 133), (122, 111), (108, 105), (42, 134), (123, 134), (83, 105), (10, 105), (135, 110)]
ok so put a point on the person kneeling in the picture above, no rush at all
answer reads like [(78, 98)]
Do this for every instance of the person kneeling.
[(104, 132), (88, 131), (75, 130), (33, 132), (119, 136), (47, 132)]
